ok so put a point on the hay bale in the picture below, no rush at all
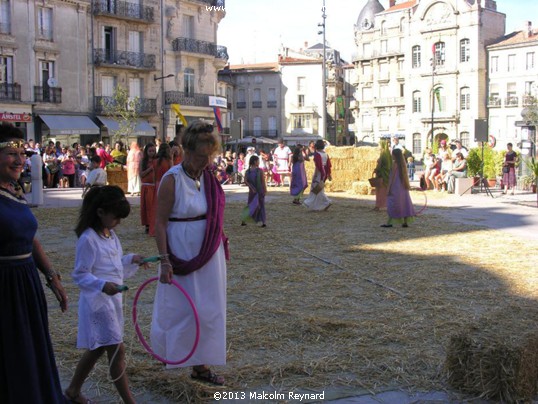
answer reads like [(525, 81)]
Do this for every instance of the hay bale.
[(492, 365), (361, 188)]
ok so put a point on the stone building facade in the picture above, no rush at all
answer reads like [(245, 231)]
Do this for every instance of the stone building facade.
[(421, 69)]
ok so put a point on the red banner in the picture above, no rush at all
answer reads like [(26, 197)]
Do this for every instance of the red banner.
[(10, 117)]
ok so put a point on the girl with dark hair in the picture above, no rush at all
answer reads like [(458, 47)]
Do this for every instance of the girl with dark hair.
[(299, 181), (147, 186), (100, 268), (399, 205), (255, 181)]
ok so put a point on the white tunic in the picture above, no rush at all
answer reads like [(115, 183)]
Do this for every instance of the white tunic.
[(173, 326), (319, 201), (281, 156), (99, 260)]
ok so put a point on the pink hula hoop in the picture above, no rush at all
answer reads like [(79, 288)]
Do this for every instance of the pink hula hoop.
[(143, 340), (425, 201)]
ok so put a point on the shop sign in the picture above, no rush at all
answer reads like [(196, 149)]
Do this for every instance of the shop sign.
[(11, 117)]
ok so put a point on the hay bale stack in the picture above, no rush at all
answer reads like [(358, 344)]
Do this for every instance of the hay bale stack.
[(349, 165), (493, 364)]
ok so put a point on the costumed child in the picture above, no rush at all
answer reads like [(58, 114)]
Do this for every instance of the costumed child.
[(299, 181), (255, 180), (399, 205), (100, 268)]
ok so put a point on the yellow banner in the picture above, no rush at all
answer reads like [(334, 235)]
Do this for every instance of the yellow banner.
[(177, 110)]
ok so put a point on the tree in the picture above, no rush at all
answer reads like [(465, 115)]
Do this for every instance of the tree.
[(124, 110)]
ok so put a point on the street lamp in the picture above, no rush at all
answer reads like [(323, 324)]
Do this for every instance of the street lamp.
[(323, 78), (155, 78), (433, 92)]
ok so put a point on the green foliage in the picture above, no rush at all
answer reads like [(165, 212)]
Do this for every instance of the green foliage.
[(532, 164), (124, 110), (493, 161)]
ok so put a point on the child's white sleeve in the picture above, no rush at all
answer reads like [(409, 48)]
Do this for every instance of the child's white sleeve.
[(129, 269), (85, 257)]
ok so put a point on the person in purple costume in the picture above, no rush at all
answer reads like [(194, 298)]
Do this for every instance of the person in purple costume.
[(399, 206), (28, 372), (257, 189), (299, 181)]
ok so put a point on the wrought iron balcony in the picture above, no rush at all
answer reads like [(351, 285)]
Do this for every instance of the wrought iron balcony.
[(48, 94), (186, 99), (145, 106), (511, 101), (494, 102), (123, 59), (196, 46), (124, 9), (261, 132), (271, 104), (528, 100), (240, 104), (256, 104), (9, 91), (216, 3)]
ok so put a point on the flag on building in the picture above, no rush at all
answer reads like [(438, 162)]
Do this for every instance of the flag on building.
[(179, 115), (218, 119)]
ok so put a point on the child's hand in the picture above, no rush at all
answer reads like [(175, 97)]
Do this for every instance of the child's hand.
[(139, 259), (111, 288)]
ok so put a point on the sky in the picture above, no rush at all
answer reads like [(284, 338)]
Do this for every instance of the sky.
[(254, 30)]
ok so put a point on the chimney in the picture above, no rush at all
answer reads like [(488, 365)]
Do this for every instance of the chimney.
[(392, 3), (527, 29), (306, 44)]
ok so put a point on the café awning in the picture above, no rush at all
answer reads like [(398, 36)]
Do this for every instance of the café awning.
[(142, 128), (70, 125)]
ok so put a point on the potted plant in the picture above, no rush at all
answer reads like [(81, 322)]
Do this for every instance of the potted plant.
[(474, 164), (532, 164)]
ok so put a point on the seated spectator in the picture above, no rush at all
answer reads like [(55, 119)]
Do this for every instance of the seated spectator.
[(431, 170), (441, 179), (459, 170)]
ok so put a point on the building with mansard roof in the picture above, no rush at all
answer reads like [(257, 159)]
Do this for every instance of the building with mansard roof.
[(420, 69)]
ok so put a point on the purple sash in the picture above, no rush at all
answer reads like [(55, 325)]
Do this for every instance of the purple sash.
[(214, 233)]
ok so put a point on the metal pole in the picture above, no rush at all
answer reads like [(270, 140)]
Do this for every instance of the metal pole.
[(323, 77), (433, 94)]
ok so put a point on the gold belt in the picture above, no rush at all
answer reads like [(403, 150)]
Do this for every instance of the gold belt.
[(15, 257)]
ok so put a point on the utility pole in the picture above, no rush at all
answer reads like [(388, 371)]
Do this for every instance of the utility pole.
[(323, 77)]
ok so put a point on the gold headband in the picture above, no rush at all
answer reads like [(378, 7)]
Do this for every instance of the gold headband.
[(12, 143)]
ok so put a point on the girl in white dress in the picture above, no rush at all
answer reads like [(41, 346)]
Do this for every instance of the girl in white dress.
[(100, 268)]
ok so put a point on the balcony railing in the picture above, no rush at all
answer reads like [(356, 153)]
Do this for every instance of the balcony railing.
[(144, 106), (185, 99), (494, 102), (241, 104), (9, 91), (261, 132), (391, 101), (216, 3), (511, 101), (48, 94), (528, 100), (202, 47), (124, 9), (271, 104), (123, 59), (256, 104)]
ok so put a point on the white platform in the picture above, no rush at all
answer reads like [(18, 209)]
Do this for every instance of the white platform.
[(463, 186)]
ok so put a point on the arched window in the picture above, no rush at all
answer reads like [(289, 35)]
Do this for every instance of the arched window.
[(188, 75), (416, 56), (417, 102), (465, 98), (439, 53), (465, 50), (402, 25), (383, 28)]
